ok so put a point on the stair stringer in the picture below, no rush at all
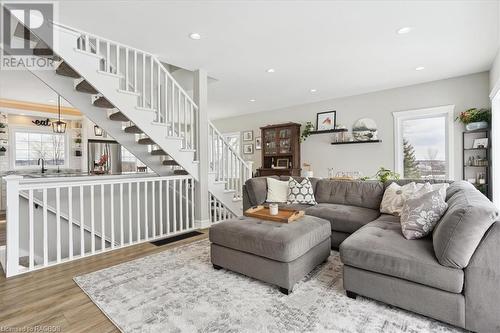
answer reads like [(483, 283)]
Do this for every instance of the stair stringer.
[(87, 66), (64, 87)]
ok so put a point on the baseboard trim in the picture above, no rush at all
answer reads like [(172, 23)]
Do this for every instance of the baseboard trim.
[(202, 224)]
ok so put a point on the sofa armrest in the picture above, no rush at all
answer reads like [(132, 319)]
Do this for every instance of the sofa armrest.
[(482, 284)]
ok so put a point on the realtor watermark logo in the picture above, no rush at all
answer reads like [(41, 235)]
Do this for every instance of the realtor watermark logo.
[(26, 32)]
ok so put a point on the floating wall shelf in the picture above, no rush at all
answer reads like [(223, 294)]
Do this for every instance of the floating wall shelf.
[(352, 142), (337, 130)]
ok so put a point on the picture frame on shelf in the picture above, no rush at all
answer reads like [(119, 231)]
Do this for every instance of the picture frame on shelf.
[(326, 121), (282, 163), (248, 135), (248, 148), (480, 143)]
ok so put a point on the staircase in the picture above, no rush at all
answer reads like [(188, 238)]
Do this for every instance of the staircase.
[(132, 96)]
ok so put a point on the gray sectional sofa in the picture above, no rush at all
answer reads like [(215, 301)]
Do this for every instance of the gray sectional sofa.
[(452, 276)]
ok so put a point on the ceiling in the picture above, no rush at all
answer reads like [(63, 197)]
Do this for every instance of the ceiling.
[(340, 48)]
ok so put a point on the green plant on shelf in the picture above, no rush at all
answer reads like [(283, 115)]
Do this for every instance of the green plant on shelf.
[(307, 131), (474, 115)]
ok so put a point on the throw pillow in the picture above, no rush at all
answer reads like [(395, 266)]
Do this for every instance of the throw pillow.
[(277, 190), (300, 193), (427, 187), (395, 197), (421, 214)]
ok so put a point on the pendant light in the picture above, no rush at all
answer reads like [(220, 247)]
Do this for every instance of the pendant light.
[(59, 126), (97, 130)]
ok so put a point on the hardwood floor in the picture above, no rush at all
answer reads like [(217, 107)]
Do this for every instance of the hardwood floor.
[(2, 232), (50, 297)]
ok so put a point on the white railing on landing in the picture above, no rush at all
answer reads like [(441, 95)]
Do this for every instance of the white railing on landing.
[(218, 212), (57, 221), (226, 163), (142, 74)]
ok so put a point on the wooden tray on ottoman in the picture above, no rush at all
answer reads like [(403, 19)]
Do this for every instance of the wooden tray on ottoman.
[(285, 215)]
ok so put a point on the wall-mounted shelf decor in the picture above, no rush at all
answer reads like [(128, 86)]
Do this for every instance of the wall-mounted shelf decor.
[(476, 157), (337, 130), (352, 142)]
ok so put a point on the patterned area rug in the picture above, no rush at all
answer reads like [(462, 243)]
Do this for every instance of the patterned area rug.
[(178, 291)]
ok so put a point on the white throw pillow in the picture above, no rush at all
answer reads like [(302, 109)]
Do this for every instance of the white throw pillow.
[(428, 187), (277, 190), (395, 197), (300, 193)]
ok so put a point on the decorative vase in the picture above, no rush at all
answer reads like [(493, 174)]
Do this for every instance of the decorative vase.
[(476, 125)]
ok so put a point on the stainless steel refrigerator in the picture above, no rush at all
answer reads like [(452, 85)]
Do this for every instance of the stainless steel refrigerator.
[(111, 149)]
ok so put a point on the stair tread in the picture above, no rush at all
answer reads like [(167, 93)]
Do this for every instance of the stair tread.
[(133, 129), (118, 116), (170, 162), (103, 102), (159, 152), (86, 87), (65, 70), (146, 141)]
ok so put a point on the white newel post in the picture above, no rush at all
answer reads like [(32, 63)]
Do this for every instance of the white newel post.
[(200, 94), (12, 248)]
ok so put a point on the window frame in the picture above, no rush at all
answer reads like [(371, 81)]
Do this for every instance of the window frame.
[(445, 111), (20, 129)]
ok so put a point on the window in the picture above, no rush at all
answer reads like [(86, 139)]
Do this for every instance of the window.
[(424, 143), (129, 161), (32, 145)]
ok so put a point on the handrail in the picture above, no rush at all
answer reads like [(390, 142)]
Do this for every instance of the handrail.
[(228, 144), (132, 49)]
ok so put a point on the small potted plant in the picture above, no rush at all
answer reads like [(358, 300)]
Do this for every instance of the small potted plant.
[(475, 119), (307, 131), (2, 151), (384, 175)]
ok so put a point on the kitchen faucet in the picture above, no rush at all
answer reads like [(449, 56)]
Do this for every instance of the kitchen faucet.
[(43, 164)]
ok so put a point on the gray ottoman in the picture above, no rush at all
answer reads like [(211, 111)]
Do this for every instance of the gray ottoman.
[(273, 252)]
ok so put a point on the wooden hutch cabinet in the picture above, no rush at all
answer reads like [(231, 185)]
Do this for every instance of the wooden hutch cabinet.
[(280, 150)]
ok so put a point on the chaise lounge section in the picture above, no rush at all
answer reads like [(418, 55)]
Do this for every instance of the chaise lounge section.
[(452, 275)]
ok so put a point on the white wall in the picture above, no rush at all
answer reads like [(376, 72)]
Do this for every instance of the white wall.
[(464, 92)]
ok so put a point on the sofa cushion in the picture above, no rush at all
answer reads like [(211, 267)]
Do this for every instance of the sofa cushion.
[(367, 194), (470, 214), (283, 242), (344, 218), (257, 189), (380, 247), (300, 192), (314, 181), (277, 190), (420, 214), (388, 218)]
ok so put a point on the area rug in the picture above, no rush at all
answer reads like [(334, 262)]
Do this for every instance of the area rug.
[(178, 291)]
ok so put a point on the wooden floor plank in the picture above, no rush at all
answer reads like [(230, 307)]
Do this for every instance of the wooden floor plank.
[(50, 297)]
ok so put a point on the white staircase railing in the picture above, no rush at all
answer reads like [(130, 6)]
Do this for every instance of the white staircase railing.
[(217, 210), (54, 221), (142, 74), (226, 163)]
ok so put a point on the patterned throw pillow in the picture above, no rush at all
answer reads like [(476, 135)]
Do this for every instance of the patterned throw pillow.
[(300, 193), (421, 214), (395, 197)]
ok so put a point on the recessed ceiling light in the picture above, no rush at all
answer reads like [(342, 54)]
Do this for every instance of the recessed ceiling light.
[(252, 100), (51, 101), (404, 30), (313, 90), (420, 68), (195, 36), (270, 70)]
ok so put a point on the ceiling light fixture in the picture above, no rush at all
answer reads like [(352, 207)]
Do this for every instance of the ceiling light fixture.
[(195, 36), (252, 100), (420, 68), (59, 126), (51, 101), (313, 90), (404, 30), (270, 70)]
